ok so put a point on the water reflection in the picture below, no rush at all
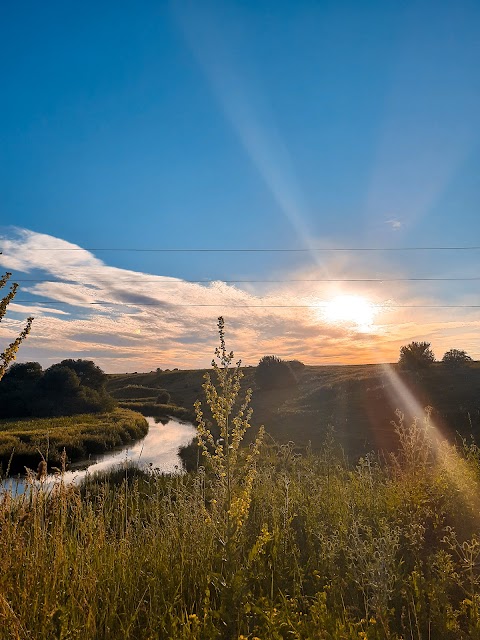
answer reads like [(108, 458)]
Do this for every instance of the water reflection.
[(158, 449)]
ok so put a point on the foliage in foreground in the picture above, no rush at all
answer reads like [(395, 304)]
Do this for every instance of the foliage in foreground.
[(9, 354), (26, 442), (323, 551)]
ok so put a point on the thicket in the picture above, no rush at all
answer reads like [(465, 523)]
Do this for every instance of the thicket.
[(261, 542), (66, 388)]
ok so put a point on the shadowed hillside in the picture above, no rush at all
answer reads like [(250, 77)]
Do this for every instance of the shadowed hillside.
[(358, 401)]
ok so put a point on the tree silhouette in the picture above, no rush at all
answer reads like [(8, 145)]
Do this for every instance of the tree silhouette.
[(274, 373), (456, 358), (416, 355)]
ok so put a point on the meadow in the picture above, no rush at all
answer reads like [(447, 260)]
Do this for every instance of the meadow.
[(23, 443), (305, 546)]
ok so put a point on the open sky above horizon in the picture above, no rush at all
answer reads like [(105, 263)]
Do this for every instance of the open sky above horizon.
[(230, 125)]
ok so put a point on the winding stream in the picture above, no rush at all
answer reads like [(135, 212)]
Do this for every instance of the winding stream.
[(159, 449)]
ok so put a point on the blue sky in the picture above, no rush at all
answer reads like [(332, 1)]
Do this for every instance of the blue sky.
[(245, 124)]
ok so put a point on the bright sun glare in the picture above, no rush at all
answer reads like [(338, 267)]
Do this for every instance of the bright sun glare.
[(348, 309)]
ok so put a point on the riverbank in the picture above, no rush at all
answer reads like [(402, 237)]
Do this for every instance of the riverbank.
[(24, 442), (159, 410)]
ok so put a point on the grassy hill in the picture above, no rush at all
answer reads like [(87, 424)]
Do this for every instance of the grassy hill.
[(358, 401)]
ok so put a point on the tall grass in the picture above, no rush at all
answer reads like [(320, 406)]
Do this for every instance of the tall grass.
[(382, 550)]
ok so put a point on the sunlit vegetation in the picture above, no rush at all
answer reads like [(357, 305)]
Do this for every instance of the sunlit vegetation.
[(269, 541), (26, 442), (260, 542), (8, 355)]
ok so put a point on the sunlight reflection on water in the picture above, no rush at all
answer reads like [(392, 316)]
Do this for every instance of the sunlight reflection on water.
[(158, 449)]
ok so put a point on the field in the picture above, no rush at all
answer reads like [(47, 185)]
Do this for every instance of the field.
[(21, 441)]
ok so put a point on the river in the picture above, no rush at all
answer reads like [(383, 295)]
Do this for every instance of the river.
[(158, 450)]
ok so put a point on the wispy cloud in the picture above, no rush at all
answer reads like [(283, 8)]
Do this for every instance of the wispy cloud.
[(128, 320), (394, 223)]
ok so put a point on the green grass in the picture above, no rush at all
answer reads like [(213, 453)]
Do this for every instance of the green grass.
[(326, 551), (80, 435)]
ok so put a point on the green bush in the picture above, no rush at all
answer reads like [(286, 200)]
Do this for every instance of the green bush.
[(456, 358), (134, 391), (163, 397)]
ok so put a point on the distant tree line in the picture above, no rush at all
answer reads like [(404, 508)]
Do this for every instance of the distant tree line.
[(419, 355), (66, 388)]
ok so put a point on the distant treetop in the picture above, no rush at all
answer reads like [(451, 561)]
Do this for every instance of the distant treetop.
[(416, 355), (456, 358)]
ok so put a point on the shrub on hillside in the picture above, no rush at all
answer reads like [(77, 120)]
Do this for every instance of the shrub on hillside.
[(274, 373), (416, 355), (163, 397), (296, 365), (131, 391)]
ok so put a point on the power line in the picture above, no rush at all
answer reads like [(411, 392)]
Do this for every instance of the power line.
[(247, 306), (273, 281), (264, 250)]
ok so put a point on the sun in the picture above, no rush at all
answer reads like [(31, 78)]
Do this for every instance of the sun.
[(353, 310)]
